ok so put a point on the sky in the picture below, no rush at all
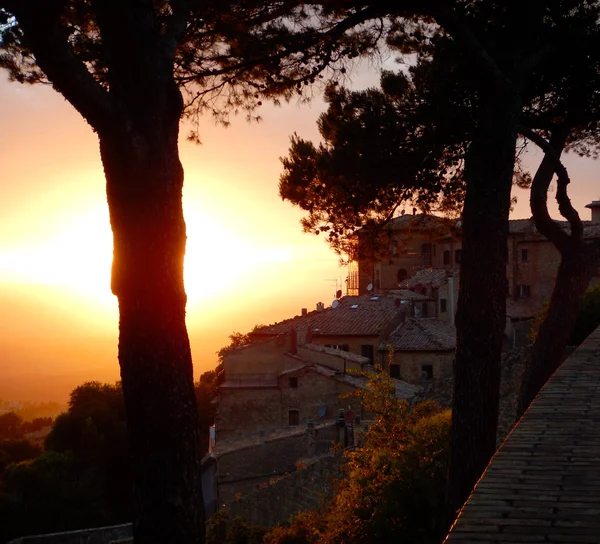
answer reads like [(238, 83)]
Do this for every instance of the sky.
[(247, 263)]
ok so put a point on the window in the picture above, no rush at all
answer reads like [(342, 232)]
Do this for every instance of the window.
[(366, 350), (427, 372), (394, 371), (293, 382), (457, 256), (294, 417), (524, 291), (443, 305), (524, 255), (426, 249), (446, 256), (402, 275)]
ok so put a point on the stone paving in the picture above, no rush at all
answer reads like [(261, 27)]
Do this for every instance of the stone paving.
[(543, 484)]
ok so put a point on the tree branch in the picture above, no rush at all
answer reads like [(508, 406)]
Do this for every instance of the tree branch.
[(49, 42), (176, 27), (462, 33), (551, 164)]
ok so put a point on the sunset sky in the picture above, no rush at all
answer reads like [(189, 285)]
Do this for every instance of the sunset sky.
[(248, 261)]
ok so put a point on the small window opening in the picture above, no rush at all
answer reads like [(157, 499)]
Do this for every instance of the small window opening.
[(293, 382), (427, 372), (294, 417)]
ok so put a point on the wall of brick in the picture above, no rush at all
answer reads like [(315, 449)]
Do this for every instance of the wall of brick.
[(305, 489)]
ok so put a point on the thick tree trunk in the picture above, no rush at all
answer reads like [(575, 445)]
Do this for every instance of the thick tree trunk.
[(573, 277), (480, 318), (144, 187)]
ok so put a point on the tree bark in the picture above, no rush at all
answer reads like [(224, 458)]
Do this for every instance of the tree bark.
[(480, 317), (574, 274), (144, 188)]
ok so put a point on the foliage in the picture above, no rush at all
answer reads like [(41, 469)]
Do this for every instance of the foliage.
[(51, 493), (11, 426), (393, 489), (351, 181), (15, 451), (305, 528), (221, 529), (588, 319)]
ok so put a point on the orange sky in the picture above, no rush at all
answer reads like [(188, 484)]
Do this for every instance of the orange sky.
[(248, 261)]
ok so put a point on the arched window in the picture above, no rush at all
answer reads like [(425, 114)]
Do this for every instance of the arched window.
[(402, 275)]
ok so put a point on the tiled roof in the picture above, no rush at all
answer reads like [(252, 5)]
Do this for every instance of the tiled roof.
[(406, 294), (425, 334), (436, 277), (417, 221), (364, 315), (349, 356), (404, 390), (527, 227)]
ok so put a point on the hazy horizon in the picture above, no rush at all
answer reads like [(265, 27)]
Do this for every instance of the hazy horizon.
[(248, 261)]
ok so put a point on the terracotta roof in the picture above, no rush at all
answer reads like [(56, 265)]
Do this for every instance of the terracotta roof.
[(436, 277), (365, 315), (425, 334)]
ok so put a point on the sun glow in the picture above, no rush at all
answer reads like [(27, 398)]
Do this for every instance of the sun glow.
[(78, 255)]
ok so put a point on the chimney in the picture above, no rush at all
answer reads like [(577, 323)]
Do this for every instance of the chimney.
[(320, 306), (304, 312), (595, 207)]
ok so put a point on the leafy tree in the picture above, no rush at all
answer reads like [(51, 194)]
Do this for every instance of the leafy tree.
[(588, 319), (15, 451), (505, 86), (133, 70), (394, 483), (50, 493), (11, 426)]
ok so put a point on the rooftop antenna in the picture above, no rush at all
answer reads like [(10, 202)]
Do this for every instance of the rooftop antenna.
[(370, 287), (335, 304)]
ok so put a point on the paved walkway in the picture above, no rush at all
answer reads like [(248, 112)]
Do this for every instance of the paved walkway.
[(543, 484)]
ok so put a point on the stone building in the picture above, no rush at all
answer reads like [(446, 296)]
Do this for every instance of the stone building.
[(421, 351), (280, 383), (355, 324), (419, 242), (279, 404)]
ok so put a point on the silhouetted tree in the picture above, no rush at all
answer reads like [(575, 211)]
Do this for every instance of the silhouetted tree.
[(501, 84), (11, 426), (132, 70)]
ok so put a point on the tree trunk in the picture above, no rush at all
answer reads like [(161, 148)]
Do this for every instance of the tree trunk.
[(144, 187), (574, 274), (480, 317)]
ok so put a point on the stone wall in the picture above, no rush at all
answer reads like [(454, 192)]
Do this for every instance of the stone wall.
[(101, 535), (244, 469), (305, 489)]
